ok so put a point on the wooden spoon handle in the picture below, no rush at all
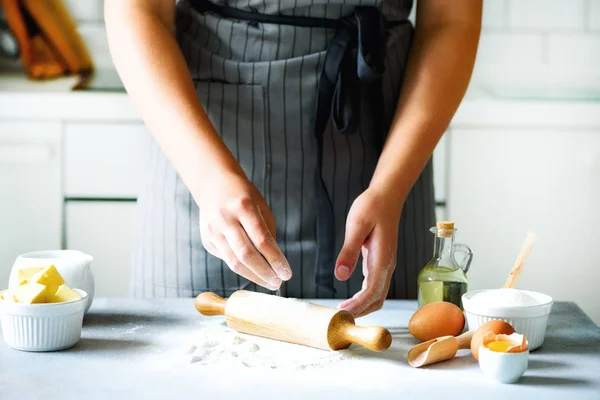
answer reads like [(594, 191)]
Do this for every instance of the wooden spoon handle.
[(374, 338), (464, 341), (210, 304), (520, 261)]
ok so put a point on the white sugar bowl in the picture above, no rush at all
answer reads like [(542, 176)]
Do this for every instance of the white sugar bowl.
[(530, 320)]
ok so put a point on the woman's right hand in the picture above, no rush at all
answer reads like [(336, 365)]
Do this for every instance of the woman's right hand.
[(237, 226)]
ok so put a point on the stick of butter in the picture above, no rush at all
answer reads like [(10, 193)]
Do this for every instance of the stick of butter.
[(30, 293), (64, 293), (8, 296), (28, 272), (25, 274), (49, 277)]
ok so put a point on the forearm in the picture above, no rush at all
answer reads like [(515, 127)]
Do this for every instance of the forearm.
[(153, 70), (437, 74)]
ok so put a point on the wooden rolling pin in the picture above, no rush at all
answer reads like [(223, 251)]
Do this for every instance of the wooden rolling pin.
[(292, 320)]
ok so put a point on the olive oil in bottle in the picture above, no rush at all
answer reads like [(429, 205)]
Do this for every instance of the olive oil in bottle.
[(443, 278)]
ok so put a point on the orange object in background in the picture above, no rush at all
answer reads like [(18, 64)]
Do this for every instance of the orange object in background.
[(44, 64), (49, 44)]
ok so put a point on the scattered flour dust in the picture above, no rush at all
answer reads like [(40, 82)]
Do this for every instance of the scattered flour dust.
[(217, 345), (227, 347)]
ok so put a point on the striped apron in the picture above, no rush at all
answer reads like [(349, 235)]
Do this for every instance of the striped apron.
[(258, 83)]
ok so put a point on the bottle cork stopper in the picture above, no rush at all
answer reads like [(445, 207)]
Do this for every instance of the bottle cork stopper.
[(445, 225), (445, 228)]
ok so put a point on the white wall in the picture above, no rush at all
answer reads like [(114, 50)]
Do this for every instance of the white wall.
[(507, 181), (90, 22), (551, 42)]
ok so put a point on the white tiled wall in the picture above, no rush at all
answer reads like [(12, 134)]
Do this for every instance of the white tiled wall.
[(545, 15), (94, 35), (561, 36), (502, 48), (86, 10), (572, 49), (90, 21), (494, 14), (594, 16), (551, 39)]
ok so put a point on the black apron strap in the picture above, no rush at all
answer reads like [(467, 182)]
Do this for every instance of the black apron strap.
[(349, 92), (204, 6)]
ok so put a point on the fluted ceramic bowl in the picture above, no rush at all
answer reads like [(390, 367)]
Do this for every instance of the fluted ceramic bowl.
[(42, 327), (530, 321)]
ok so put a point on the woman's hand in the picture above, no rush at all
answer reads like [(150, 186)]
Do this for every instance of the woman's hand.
[(371, 227), (237, 226)]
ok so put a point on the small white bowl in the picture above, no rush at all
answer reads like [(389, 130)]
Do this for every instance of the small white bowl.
[(42, 327), (503, 367), (530, 321)]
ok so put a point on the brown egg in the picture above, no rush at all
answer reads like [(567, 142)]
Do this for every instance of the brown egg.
[(496, 326), (436, 319)]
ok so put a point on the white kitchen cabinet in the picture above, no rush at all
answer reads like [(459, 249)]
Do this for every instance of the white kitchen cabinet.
[(505, 182), (30, 190), (104, 230), (104, 160)]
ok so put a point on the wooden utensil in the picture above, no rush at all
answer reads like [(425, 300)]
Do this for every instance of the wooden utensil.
[(439, 349), (520, 261), (292, 320)]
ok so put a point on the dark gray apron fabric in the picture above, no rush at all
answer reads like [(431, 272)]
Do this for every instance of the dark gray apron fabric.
[(258, 84)]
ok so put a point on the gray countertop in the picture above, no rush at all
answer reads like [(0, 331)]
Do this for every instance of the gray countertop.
[(128, 348)]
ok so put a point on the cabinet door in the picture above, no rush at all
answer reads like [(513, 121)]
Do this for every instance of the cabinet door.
[(30, 190), (504, 183), (104, 230)]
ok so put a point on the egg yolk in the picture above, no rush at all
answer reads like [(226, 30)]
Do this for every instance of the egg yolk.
[(500, 345)]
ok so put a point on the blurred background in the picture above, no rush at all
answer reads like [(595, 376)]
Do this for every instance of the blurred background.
[(522, 153)]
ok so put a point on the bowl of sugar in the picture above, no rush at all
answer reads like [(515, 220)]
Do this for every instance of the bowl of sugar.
[(526, 311)]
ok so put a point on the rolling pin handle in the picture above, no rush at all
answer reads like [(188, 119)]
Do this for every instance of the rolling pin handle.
[(210, 304), (374, 338)]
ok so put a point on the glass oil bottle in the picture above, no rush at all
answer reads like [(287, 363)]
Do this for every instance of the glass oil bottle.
[(444, 278)]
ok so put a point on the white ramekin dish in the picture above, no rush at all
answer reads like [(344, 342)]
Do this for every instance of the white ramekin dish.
[(503, 367), (42, 327), (530, 321)]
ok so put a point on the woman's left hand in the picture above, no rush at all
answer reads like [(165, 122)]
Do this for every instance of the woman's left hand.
[(371, 228)]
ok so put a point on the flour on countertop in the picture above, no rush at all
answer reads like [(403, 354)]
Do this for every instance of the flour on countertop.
[(215, 345), (221, 345)]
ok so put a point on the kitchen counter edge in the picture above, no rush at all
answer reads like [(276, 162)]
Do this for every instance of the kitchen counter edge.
[(474, 112)]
